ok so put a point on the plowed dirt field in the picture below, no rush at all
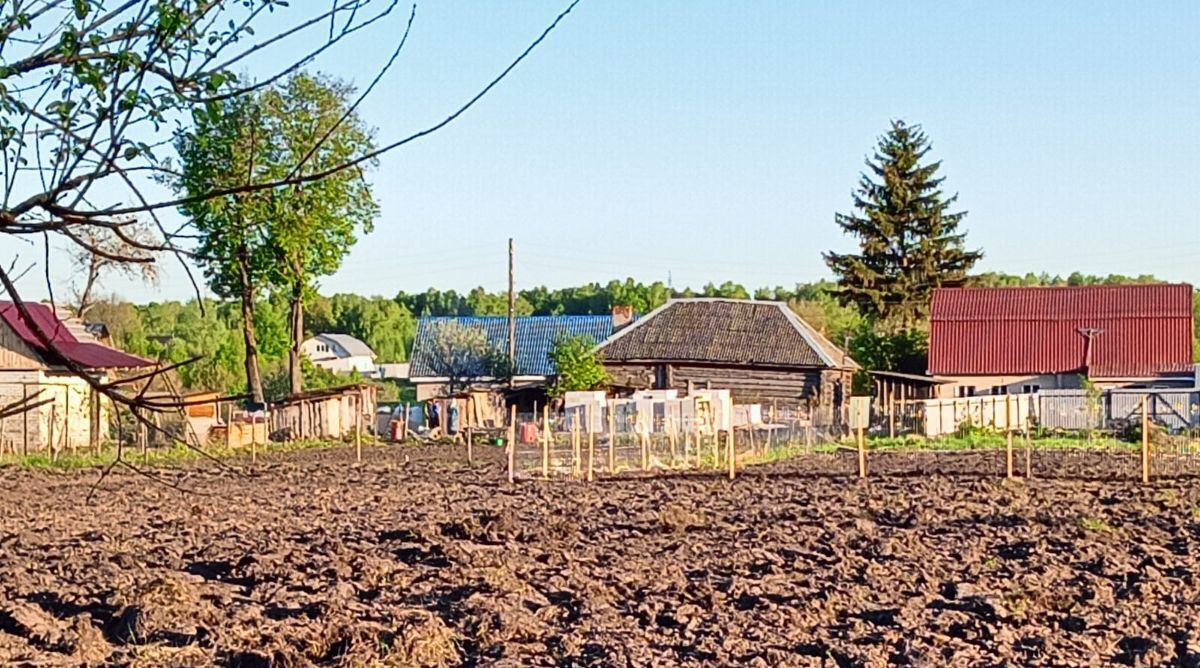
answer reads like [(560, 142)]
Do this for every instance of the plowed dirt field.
[(411, 558)]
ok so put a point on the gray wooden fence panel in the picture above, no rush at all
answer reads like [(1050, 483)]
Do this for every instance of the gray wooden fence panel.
[(1068, 409), (1175, 409)]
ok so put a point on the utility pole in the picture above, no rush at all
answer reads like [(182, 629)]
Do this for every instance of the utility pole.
[(512, 319)]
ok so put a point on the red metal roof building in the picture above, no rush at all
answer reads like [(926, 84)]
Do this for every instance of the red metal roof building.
[(89, 355), (64, 411), (1108, 331)]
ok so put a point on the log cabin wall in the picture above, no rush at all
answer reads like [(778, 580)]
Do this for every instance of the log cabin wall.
[(809, 388), (750, 385)]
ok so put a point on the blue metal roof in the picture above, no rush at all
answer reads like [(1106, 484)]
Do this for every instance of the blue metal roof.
[(536, 334)]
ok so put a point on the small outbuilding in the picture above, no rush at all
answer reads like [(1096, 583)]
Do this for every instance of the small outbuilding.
[(760, 351), (72, 416), (326, 413)]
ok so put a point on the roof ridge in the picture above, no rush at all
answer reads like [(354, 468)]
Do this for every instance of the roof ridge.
[(1050, 288)]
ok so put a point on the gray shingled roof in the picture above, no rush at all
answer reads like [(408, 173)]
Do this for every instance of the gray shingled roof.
[(724, 331)]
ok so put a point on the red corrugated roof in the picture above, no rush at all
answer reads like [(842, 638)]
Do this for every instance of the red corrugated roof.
[(85, 354), (1144, 330)]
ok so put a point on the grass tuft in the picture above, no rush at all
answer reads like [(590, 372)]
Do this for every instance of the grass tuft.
[(1096, 525)]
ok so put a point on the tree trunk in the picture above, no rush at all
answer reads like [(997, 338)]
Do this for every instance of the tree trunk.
[(297, 325), (253, 375)]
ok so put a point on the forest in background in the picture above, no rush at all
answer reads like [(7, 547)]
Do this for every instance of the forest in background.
[(174, 331)]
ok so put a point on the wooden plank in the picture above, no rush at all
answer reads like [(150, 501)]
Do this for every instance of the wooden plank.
[(1008, 437), (591, 456), (1145, 439), (731, 457), (546, 437)]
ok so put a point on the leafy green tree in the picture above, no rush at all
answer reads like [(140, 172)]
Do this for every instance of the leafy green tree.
[(383, 324), (222, 152), (900, 351), (828, 316), (1196, 325), (313, 225), (577, 365), (482, 302), (92, 93), (727, 290), (283, 237), (908, 235)]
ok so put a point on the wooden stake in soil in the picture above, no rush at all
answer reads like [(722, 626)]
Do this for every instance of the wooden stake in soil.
[(143, 440), (862, 453), (612, 437), (358, 427), (53, 423), (1145, 439), (1008, 437), (404, 424), (512, 441), (25, 421), (891, 415), (67, 419), (1028, 453), (545, 442), (731, 456), (576, 446), (470, 448), (591, 460)]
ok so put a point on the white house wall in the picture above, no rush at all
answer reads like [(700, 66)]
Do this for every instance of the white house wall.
[(347, 365), (1013, 384)]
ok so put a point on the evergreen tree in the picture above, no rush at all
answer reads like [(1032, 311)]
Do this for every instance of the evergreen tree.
[(908, 236)]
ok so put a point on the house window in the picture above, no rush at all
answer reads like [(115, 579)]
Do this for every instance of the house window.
[(964, 391), (999, 390), (1030, 389)]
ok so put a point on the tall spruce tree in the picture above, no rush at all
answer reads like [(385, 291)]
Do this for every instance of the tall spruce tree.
[(908, 235)]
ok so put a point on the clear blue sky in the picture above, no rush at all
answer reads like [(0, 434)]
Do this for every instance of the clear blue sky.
[(716, 140)]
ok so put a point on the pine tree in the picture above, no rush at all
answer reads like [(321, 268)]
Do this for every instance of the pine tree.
[(909, 238)]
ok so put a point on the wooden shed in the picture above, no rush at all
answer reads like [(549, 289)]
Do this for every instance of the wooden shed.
[(327, 413), (71, 415), (760, 351), (195, 417)]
